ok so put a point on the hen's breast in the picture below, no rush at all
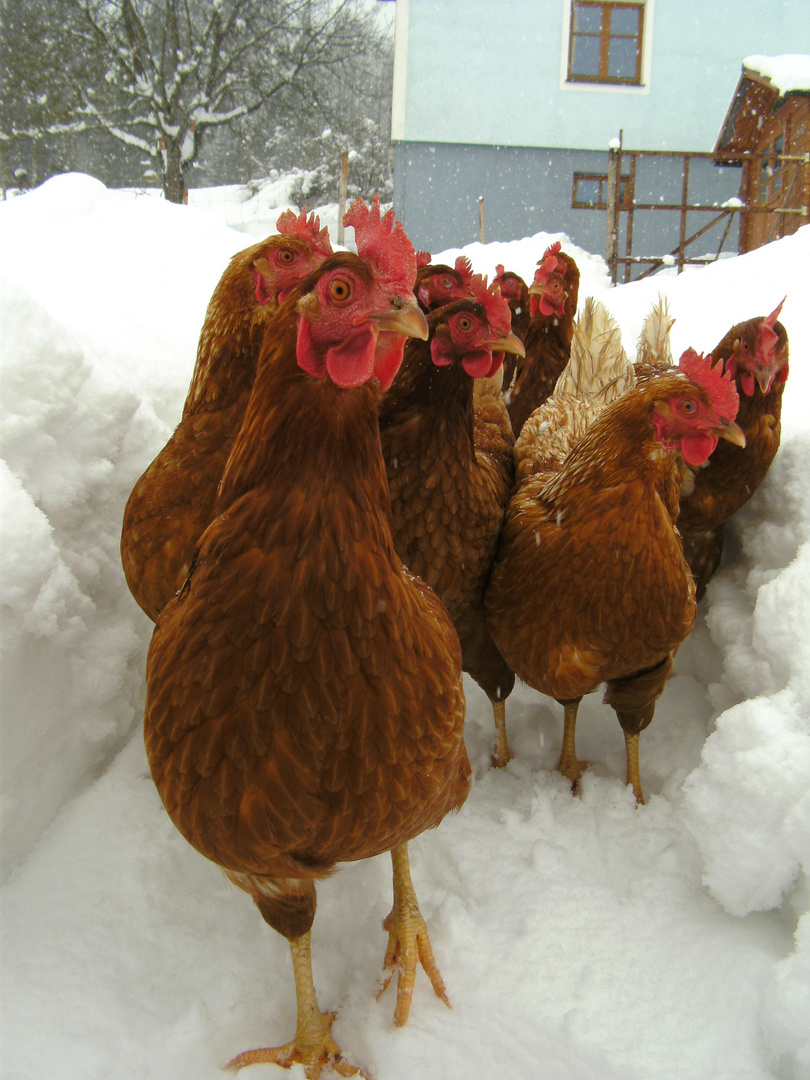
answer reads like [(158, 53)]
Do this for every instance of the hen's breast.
[(305, 700), (589, 590)]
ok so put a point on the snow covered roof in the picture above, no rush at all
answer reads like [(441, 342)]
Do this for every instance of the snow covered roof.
[(765, 83), (785, 73)]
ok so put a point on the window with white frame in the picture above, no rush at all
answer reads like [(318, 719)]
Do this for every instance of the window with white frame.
[(605, 42)]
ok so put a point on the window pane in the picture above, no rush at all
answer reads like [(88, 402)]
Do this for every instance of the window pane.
[(624, 20), (777, 150), (588, 191), (586, 56), (622, 58), (587, 20)]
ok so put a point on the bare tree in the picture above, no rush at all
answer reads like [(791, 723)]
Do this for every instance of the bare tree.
[(158, 75), (36, 99)]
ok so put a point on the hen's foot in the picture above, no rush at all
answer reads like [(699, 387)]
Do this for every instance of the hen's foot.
[(313, 1046), (500, 754), (315, 1050), (408, 942), (572, 769)]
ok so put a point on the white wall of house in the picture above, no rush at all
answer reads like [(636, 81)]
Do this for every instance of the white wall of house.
[(492, 72)]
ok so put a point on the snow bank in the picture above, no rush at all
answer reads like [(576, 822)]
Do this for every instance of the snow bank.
[(97, 340), (582, 937)]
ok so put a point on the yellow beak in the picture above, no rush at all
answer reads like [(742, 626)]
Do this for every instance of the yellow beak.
[(407, 319), (511, 344), (733, 433)]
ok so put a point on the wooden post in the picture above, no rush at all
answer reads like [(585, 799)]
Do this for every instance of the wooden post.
[(684, 204), (612, 245), (481, 218), (344, 176)]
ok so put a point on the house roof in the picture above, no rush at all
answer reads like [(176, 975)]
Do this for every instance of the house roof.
[(765, 85)]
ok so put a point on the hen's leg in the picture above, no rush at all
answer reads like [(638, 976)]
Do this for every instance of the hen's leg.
[(408, 941), (500, 755), (633, 700), (633, 775), (312, 1046), (569, 765)]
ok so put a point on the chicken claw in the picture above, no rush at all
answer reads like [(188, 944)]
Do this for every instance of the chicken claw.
[(312, 1046), (321, 1054), (408, 942)]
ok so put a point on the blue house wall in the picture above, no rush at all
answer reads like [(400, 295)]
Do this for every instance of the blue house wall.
[(482, 108)]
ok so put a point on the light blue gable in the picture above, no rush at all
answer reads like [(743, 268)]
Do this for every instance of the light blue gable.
[(492, 72)]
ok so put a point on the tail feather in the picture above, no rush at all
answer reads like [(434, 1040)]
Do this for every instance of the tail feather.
[(653, 350), (597, 373), (598, 369)]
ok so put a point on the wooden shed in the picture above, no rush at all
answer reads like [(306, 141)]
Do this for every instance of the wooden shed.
[(767, 133)]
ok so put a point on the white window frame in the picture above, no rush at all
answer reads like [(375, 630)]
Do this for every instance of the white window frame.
[(609, 88)]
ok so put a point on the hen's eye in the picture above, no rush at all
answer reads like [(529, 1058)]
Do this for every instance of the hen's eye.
[(464, 324), (688, 408), (286, 256), (446, 282), (340, 290)]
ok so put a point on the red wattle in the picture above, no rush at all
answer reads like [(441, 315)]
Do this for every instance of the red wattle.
[(352, 362), (497, 360), (308, 359), (388, 357), (477, 364), (697, 448), (747, 383), (439, 353)]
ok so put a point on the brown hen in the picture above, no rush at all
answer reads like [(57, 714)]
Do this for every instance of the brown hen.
[(173, 500), (755, 353), (448, 456), (305, 703), (553, 300), (590, 584), (438, 284), (516, 293)]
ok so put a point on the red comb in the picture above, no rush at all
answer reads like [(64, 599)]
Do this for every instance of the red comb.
[(493, 302), (291, 224), (765, 349), (422, 259), (774, 315), (548, 264), (382, 242), (499, 271), (718, 385), (464, 269), (767, 337)]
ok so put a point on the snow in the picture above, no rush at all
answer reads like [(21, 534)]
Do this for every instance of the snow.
[(580, 938), (787, 73)]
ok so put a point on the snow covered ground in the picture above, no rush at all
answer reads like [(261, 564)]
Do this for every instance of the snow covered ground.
[(580, 938)]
